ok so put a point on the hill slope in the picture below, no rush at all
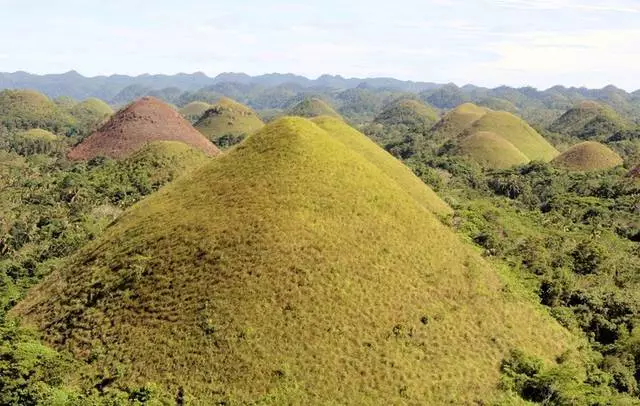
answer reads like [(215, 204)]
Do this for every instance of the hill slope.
[(313, 107), (491, 150), (589, 120), (458, 120), (516, 131), (588, 156), (392, 167), (146, 120), (91, 112), (291, 270), (228, 118), (194, 110)]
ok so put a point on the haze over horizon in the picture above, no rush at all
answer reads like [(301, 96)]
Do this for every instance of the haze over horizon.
[(589, 43)]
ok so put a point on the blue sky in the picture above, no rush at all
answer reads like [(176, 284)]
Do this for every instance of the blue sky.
[(486, 42)]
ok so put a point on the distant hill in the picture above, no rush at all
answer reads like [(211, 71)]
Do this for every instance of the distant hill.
[(194, 110), (458, 120), (90, 113), (590, 120), (588, 156), (312, 107), (292, 270), (494, 139), (517, 132), (26, 109), (227, 122), (144, 121), (491, 150), (410, 113)]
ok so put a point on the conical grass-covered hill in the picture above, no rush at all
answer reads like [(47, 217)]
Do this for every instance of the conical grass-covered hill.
[(291, 270), (491, 150), (27, 109), (228, 119), (194, 110), (91, 112), (516, 131), (143, 121), (411, 113), (588, 156), (457, 121), (475, 131), (313, 107), (589, 120)]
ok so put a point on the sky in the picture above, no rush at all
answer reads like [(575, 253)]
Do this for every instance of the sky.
[(538, 43)]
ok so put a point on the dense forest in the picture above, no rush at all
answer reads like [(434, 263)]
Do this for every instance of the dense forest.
[(543, 185)]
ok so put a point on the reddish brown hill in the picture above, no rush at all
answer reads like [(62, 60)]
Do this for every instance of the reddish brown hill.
[(143, 121)]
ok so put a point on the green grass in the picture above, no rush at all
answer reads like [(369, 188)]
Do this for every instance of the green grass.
[(457, 121), (589, 120), (517, 132), (491, 151), (90, 113), (588, 156), (291, 270), (395, 169), (228, 118), (313, 107), (412, 113), (194, 110), (26, 109)]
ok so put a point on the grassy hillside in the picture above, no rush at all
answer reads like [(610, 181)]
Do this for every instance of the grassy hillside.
[(393, 168), (194, 110), (457, 121), (227, 122), (90, 113), (411, 113), (589, 120), (312, 107), (588, 156), (291, 270), (37, 134), (25, 109), (517, 132), (491, 151)]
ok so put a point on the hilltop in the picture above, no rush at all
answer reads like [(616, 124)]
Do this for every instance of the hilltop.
[(26, 109), (91, 112), (411, 113), (589, 120), (292, 270), (227, 122), (458, 120), (194, 110), (312, 107), (588, 156), (141, 122)]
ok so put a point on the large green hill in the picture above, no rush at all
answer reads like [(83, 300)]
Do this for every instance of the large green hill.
[(590, 120), (458, 120), (26, 109), (292, 270), (312, 107), (227, 122), (588, 156), (491, 150), (194, 110), (410, 113), (517, 132)]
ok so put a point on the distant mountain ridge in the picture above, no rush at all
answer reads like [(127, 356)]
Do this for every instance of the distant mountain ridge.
[(78, 86)]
